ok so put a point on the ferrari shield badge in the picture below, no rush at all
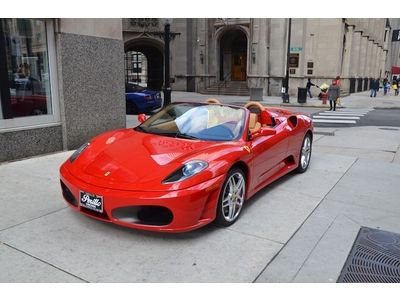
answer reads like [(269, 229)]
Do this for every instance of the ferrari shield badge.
[(247, 149)]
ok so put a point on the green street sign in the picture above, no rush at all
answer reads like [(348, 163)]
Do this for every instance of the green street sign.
[(296, 49)]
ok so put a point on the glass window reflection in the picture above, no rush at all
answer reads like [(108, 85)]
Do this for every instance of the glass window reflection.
[(27, 92)]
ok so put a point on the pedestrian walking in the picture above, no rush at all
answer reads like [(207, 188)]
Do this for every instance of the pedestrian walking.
[(338, 81), (395, 88), (374, 87), (308, 87), (386, 87), (333, 94)]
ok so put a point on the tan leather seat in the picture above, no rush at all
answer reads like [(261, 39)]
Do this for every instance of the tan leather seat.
[(254, 125)]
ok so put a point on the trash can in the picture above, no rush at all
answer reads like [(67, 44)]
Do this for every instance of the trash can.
[(302, 95)]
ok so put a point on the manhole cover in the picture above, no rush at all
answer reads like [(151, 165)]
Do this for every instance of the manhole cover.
[(375, 257), (394, 129)]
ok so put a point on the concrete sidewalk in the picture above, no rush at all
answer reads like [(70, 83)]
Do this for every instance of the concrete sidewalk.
[(299, 229)]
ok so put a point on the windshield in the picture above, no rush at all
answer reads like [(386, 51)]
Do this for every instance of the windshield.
[(133, 87), (197, 121)]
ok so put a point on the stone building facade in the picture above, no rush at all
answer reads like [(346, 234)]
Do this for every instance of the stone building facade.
[(394, 48), (61, 83), (250, 55)]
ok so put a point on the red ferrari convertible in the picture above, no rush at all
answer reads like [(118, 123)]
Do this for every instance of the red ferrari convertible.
[(186, 166)]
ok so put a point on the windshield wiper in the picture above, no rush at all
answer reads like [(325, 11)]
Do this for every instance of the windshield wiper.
[(166, 133), (141, 129), (186, 136)]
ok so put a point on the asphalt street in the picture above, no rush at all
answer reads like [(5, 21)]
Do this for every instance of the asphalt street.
[(299, 229), (382, 117)]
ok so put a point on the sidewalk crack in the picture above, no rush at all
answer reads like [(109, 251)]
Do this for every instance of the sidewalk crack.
[(33, 219), (301, 225), (45, 262), (312, 250)]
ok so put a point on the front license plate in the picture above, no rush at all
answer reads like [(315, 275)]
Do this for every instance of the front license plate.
[(90, 201)]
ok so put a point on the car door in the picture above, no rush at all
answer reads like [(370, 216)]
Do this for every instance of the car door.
[(269, 153)]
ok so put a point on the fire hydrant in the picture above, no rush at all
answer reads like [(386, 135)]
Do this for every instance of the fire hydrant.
[(324, 97)]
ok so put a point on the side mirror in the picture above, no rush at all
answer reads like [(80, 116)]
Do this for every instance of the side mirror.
[(265, 131), (141, 118)]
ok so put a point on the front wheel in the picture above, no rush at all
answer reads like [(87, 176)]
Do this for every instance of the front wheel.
[(231, 198), (305, 154)]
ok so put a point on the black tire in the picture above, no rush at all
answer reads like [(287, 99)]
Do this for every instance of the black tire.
[(236, 199), (131, 108), (305, 154)]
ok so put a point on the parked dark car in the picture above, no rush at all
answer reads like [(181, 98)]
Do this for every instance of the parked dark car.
[(141, 100)]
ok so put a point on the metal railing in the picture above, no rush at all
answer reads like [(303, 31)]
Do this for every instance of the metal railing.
[(224, 82)]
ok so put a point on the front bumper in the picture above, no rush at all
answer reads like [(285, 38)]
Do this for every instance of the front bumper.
[(189, 209)]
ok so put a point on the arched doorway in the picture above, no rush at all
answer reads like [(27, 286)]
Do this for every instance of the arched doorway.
[(136, 68), (233, 56), (144, 63)]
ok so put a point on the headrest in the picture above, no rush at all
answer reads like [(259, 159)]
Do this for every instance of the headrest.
[(254, 125), (253, 120), (213, 101)]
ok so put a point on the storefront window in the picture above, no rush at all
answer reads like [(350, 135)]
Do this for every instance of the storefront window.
[(24, 70)]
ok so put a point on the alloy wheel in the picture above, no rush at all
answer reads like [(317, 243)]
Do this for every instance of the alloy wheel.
[(305, 152), (233, 197)]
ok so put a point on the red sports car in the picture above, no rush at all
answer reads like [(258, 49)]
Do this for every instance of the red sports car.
[(186, 166)]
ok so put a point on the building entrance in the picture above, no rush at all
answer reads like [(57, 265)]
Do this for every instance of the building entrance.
[(239, 67), (144, 64), (233, 56)]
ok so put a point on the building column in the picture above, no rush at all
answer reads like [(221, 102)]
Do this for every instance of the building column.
[(376, 61), (355, 64), (258, 64), (347, 53), (368, 59), (382, 62), (363, 62), (90, 58)]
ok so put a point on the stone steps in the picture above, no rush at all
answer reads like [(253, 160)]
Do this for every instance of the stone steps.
[(233, 88)]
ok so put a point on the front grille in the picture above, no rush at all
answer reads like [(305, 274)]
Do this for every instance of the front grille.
[(375, 257), (144, 215), (67, 194)]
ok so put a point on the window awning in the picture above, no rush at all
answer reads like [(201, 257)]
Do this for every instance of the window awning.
[(395, 70)]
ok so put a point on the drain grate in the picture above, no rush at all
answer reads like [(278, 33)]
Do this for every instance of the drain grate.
[(385, 128), (324, 133), (375, 257)]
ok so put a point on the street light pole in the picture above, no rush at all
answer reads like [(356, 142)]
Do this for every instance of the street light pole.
[(285, 95), (167, 86)]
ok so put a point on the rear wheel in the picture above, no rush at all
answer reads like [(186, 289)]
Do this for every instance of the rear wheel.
[(131, 108), (232, 197), (305, 154)]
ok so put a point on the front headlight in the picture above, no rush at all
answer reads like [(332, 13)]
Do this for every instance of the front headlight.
[(189, 169), (78, 152)]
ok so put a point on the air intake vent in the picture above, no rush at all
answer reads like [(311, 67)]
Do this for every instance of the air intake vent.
[(68, 194)]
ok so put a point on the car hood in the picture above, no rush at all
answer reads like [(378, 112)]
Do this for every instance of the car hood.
[(131, 160)]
